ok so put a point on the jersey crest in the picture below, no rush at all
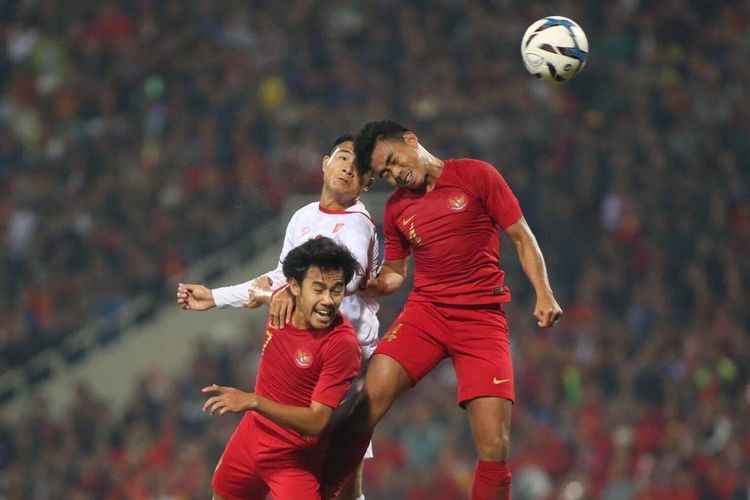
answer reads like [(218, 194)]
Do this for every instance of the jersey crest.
[(457, 203), (303, 358)]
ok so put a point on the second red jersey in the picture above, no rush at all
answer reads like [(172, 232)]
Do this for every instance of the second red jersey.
[(453, 232), (301, 366)]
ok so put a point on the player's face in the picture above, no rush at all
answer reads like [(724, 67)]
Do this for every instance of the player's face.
[(397, 162), (339, 173), (319, 296)]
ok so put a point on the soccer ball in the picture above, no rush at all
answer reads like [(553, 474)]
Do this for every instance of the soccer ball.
[(554, 49)]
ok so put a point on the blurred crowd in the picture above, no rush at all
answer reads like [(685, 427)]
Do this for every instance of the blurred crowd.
[(138, 136), (132, 144)]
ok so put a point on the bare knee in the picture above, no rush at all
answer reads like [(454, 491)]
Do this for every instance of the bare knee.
[(490, 426), (386, 379), (378, 401), (493, 448)]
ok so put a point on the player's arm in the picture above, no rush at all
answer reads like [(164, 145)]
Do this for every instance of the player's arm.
[(341, 362), (358, 239), (267, 289), (503, 207), (261, 290), (277, 294), (281, 300), (392, 273), (389, 279), (546, 311), (197, 297), (310, 421)]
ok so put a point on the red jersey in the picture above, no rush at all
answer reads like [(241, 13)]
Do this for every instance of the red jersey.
[(301, 366), (453, 233)]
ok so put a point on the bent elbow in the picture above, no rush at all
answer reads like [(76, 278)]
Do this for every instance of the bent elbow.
[(524, 241), (317, 428), (317, 424)]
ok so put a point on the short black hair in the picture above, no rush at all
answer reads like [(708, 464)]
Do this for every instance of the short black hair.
[(321, 252), (340, 139), (371, 133)]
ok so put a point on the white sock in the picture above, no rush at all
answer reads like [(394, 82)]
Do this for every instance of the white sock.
[(361, 498)]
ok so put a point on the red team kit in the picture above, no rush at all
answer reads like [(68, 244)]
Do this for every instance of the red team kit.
[(296, 367), (455, 308)]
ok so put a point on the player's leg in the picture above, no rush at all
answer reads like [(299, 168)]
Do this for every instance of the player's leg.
[(479, 346), (386, 379), (352, 489), (404, 355), (490, 427), (408, 351), (293, 484), (235, 476), (233, 483)]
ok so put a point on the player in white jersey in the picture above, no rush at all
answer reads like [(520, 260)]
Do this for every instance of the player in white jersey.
[(351, 227), (338, 215)]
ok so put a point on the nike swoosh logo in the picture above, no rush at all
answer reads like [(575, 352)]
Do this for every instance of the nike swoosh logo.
[(500, 381), (406, 222)]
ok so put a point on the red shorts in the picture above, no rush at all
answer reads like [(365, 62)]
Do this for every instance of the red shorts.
[(250, 467), (474, 337)]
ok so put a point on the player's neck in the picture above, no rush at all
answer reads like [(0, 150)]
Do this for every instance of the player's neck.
[(433, 169), (330, 201), (298, 320)]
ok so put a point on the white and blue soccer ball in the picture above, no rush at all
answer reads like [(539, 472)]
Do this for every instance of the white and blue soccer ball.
[(554, 49)]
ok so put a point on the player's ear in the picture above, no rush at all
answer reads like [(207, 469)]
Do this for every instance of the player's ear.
[(295, 287), (369, 181), (411, 138), (325, 161)]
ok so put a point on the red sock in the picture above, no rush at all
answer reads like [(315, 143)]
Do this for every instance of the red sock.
[(344, 454), (491, 481)]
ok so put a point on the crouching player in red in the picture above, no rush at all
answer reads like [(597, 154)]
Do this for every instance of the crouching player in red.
[(306, 367)]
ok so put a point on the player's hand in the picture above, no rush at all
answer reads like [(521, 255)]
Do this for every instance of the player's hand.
[(193, 297), (257, 295), (282, 308), (388, 279), (369, 287), (227, 399), (547, 311)]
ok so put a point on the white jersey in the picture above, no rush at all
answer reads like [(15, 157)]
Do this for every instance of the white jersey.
[(352, 228)]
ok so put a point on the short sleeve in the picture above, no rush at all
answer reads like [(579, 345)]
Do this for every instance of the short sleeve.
[(499, 201), (341, 362), (396, 246), (276, 276)]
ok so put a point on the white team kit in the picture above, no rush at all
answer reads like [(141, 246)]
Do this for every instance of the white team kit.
[(353, 228)]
